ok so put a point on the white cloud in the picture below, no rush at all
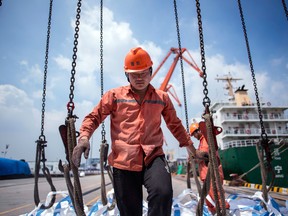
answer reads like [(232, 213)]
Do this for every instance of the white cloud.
[(23, 62), (276, 61), (13, 99), (63, 62), (17, 120), (34, 74), (21, 124)]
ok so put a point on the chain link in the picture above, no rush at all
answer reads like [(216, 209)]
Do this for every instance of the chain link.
[(285, 8), (45, 72), (263, 133), (70, 105), (181, 64), (103, 133), (206, 99)]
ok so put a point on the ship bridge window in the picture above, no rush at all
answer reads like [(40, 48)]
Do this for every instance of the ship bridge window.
[(277, 115)]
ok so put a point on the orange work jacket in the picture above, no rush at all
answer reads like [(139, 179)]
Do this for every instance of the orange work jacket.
[(203, 169), (136, 134)]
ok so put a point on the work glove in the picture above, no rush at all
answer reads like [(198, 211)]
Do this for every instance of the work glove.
[(82, 146)]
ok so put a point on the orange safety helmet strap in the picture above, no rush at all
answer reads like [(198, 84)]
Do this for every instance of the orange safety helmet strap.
[(137, 60)]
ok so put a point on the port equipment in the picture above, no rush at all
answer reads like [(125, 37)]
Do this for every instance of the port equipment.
[(262, 146), (69, 134), (212, 174), (165, 85), (42, 142)]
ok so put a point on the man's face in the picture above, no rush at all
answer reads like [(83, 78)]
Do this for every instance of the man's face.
[(140, 80), (196, 134)]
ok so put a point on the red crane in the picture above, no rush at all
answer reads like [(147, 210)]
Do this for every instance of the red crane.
[(165, 86)]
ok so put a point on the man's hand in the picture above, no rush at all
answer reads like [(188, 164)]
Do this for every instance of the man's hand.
[(82, 146), (201, 155), (191, 150)]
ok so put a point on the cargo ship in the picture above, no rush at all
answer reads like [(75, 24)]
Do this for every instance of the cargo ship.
[(239, 118)]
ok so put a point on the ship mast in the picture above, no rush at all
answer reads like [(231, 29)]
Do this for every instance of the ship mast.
[(229, 79)]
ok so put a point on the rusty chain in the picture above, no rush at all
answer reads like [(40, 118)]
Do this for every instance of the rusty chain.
[(206, 99), (41, 142), (103, 132), (264, 139), (181, 64), (285, 8), (70, 105)]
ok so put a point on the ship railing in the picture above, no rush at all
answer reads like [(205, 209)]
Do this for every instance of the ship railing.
[(272, 116), (250, 142), (240, 143), (255, 131)]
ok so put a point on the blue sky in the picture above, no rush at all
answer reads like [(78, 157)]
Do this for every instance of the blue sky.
[(150, 24)]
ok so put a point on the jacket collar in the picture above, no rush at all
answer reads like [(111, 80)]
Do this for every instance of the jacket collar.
[(149, 89)]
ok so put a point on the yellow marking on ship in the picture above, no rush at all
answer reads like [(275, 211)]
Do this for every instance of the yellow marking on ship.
[(259, 187)]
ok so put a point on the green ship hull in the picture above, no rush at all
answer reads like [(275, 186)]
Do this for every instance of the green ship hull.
[(241, 160)]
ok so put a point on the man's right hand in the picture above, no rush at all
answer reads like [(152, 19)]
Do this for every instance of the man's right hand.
[(82, 146), (202, 155)]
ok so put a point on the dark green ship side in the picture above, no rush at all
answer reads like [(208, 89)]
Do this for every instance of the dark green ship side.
[(244, 160)]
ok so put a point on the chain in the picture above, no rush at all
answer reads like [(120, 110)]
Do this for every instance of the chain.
[(264, 139), (181, 64), (41, 142), (70, 105), (45, 72), (263, 133), (101, 63), (285, 8), (206, 99)]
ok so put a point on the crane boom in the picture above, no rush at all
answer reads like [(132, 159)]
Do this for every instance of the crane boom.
[(165, 86)]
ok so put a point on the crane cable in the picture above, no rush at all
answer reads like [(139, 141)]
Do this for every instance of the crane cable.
[(264, 143), (104, 146), (68, 132), (193, 166), (213, 162), (41, 142)]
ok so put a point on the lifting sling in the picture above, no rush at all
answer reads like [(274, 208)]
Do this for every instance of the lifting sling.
[(208, 129), (263, 144), (68, 133), (191, 163), (104, 146), (41, 142)]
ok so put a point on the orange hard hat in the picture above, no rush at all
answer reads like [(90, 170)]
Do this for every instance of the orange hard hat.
[(137, 60), (193, 127)]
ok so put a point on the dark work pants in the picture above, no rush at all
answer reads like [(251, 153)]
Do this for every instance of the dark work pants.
[(156, 178)]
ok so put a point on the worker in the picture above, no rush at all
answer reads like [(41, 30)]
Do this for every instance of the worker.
[(236, 180), (203, 165), (137, 156)]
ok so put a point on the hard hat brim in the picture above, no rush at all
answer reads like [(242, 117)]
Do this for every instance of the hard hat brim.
[(135, 71)]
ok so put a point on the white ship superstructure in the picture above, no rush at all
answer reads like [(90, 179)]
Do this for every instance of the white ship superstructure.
[(239, 119)]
